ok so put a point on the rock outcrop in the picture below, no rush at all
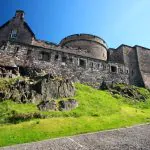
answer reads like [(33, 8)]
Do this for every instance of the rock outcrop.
[(67, 104), (54, 87), (47, 105), (132, 92), (62, 105), (41, 88)]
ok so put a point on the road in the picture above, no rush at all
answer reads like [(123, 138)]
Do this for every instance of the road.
[(132, 138)]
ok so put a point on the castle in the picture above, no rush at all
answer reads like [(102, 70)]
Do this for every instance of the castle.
[(83, 57)]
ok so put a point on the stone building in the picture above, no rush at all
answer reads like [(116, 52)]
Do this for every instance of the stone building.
[(82, 57)]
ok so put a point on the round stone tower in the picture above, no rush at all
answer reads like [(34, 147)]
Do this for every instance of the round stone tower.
[(94, 45)]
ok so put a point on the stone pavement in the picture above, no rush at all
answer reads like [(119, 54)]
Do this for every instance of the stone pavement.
[(132, 138)]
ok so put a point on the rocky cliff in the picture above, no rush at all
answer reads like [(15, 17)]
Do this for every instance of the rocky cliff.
[(41, 88)]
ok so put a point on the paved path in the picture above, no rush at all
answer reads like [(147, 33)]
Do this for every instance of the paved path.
[(133, 138)]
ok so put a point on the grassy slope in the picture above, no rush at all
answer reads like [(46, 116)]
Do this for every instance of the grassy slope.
[(97, 110)]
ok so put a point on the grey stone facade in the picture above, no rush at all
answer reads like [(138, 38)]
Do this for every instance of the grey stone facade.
[(82, 57)]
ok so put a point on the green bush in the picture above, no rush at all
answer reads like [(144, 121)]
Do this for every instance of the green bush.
[(16, 118)]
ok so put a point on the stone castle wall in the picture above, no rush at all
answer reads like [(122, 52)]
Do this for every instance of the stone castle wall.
[(143, 56), (116, 55), (136, 59), (77, 67)]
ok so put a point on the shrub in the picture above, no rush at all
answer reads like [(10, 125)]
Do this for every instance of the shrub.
[(16, 118)]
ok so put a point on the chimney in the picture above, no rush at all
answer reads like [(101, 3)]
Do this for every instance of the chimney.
[(19, 14)]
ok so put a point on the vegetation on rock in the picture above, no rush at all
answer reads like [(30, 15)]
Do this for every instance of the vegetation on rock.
[(130, 91), (25, 90)]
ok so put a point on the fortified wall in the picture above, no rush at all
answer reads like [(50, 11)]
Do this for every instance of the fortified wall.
[(60, 62), (82, 57)]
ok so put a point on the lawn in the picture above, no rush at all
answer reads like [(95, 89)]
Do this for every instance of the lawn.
[(98, 110)]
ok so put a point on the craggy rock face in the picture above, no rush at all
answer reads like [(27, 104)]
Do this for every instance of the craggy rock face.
[(68, 104), (53, 88), (46, 87), (47, 105), (20, 91), (128, 91), (62, 105)]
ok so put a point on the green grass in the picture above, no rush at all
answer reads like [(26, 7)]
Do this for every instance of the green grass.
[(98, 110)]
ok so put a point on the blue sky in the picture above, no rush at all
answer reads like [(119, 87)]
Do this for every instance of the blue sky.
[(116, 21)]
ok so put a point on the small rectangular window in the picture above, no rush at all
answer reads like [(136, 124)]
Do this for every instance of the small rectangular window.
[(40, 56), (44, 56), (82, 63), (29, 54), (104, 66), (113, 69), (98, 65), (132, 72), (13, 34), (91, 64), (56, 57), (64, 59)]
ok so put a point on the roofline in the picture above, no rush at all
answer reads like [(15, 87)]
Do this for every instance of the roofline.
[(124, 45), (129, 47), (84, 40), (142, 47), (3, 25), (28, 27), (80, 34)]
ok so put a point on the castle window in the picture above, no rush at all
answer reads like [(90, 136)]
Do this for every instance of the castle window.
[(132, 72), (113, 69), (82, 63), (44, 56), (98, 65), (13, 34), (104, 67), (64, 59), (56, 57), (91, 64), (127, 71), (29, 54)]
